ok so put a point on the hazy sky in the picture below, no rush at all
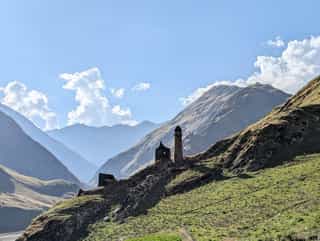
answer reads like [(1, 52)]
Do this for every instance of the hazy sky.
[(104, 62)]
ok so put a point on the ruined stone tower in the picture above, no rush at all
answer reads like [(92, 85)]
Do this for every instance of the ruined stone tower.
[(162, 153), (178, 148)]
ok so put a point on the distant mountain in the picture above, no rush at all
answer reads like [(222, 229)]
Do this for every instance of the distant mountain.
[(97, 144), (80, 167), (287, 131), (21, 153), (261, 183), (22, 198), (218, 113)]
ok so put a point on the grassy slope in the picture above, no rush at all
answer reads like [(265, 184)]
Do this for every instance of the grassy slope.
[(23, 197), (30, 193), (264, 205)]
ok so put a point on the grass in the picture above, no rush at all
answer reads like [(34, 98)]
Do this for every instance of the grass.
[(157, 237), (266, 205), (67, 208)]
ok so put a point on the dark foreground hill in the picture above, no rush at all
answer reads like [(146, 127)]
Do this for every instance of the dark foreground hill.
[(80, 167), (22, 198), (21, 153), (259, 184), (220, 112)]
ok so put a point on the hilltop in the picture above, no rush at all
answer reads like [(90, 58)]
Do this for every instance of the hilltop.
[(254, 185)]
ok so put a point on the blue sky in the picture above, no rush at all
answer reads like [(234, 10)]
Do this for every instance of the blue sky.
[(175, 46)]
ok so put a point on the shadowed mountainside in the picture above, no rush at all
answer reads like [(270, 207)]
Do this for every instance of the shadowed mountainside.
[(80, 167), (21, 153)]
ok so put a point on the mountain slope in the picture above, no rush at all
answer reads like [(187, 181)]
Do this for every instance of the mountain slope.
[(22, 154), (108, 141), (22, 198), (73, 161), (290, 130), (275, 204), (220, 112), (214, 195)]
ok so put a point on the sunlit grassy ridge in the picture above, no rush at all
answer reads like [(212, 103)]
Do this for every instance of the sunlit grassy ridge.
[(265, 205)]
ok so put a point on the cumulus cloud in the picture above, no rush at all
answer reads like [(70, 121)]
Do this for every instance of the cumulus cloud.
[(117, 93), (195, 95), (143, 86), (277, 43), (298, 63), (32, 104), (93, 107)]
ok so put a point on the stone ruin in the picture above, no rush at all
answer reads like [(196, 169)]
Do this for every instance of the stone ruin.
[(162, 154), (106, 179)]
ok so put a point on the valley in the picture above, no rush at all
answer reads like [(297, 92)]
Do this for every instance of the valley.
[(260, 183), (22, 198), (159, 120)]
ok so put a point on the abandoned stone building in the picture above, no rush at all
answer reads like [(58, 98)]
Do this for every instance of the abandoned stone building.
[(162, 154), (106, 179)]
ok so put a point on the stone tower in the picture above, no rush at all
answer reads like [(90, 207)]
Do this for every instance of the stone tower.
[(178, 148)]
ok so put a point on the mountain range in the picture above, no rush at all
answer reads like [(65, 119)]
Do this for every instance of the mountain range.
[(97, 144), (80, 167), (261, 183), (21, 153), (218, 113)]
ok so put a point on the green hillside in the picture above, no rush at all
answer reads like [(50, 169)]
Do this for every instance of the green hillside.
[(254, 185), (281, 203)]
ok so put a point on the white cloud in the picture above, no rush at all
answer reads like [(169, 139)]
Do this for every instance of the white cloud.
[(195, 95), (296, 65), (117, 93), (93, 107), (277, 43), (143, 86), (32, 104)]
